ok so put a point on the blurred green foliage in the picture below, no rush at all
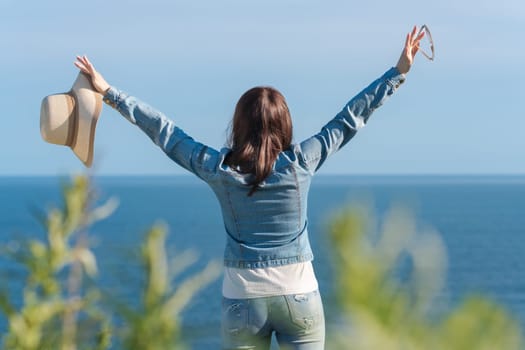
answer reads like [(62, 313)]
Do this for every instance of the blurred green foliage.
[(58, 309), (387, 307), (154, 324)]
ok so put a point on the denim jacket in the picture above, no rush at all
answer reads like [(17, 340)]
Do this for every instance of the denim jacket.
[(268, 228)]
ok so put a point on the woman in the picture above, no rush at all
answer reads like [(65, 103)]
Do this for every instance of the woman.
[(261, 181)]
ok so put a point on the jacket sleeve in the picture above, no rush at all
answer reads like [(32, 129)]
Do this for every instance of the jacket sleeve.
[(338, 131), (181, 148)]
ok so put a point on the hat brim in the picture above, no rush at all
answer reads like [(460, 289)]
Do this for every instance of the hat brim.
[(88, 105)]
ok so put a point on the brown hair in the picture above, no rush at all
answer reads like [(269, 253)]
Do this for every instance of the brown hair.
[(261, 128)]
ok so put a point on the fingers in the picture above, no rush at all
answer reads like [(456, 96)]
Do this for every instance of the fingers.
[(415, 49), (80, 63), (417, 41), (413, 34), (88, 64), (407, 41), (85, 65), (412, 41), (82, 67), (420, 36), (416, 32)]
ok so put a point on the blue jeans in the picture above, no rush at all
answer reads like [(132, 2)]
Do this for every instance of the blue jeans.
[(297, 320)]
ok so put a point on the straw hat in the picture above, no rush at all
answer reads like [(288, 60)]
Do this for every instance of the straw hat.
[(70, 118)]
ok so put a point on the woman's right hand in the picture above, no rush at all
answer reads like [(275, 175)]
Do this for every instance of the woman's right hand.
[(409, 51), (98, 81)]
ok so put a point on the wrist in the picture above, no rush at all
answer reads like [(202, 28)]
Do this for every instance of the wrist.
[(103, 88), (403, 68)]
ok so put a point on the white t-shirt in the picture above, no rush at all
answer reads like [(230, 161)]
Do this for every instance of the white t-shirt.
[(269, 281)]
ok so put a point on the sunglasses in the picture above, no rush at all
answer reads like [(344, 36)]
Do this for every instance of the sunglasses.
[(427, 50)]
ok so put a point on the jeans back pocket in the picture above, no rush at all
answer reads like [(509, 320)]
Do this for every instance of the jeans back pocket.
[(306, 310)]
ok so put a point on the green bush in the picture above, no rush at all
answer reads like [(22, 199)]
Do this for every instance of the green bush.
[(59, 310), (382, 309)]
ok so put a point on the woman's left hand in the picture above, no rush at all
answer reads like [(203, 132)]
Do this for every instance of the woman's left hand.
[(409, 51)]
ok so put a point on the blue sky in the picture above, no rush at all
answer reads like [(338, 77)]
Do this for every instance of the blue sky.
[(461, 114)]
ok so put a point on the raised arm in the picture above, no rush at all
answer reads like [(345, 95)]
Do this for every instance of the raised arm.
[(338, 131), (191, 155)]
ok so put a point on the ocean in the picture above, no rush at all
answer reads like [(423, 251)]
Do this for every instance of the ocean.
[(481, 220)]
